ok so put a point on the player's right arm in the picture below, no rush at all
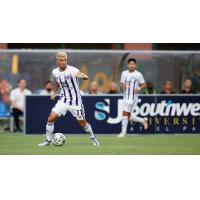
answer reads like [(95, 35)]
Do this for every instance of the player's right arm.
[(55, 90), (122, 81), (123, 85), (55, 85)]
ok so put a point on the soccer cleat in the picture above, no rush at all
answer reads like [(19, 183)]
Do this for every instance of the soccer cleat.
[(121, 135), (95, 141), (45, 143), (145, 124)]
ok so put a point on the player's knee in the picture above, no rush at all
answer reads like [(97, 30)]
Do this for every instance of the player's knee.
[(82, 123), (52, 118), (126, 114)]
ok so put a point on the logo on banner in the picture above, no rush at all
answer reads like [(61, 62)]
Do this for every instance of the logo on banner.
[(102, 111), (164, 115), (168, 108), (168, 116)]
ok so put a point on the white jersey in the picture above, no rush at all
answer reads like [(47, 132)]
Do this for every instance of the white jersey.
[(132, 80), (69, 86)]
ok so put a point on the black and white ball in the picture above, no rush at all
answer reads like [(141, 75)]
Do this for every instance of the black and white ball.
[(58, 139)]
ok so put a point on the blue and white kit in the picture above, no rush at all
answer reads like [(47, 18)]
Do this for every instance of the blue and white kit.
[(132, 80)]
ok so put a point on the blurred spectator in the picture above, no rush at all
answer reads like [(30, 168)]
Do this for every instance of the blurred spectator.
[(4, 91), (167, 88), (93, 88), (113, 88), (17, 101), (187, 87), (4, 98), (48, 88), (149, 89)]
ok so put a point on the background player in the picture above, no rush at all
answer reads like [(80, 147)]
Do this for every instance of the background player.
[(132, 82), (66, 79)]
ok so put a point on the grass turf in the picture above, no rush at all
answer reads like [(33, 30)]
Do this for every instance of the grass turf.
[(19, 144)]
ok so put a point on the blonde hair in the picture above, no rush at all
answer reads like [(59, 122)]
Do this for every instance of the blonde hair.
[(61, 54)]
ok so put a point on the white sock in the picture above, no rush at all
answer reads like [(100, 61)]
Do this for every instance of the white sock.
[(124, 124), (49, 131), (136, 119), (88, 129)]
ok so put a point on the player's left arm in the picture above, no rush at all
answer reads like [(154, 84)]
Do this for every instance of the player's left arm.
[(81, 76), (142, 83), (142, 86)]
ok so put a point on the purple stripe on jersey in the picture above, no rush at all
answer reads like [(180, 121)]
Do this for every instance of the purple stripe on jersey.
[(134, 88), (129, 85), (126, 82), (63, 90), (61, 96), (70, 94), (74, 90)]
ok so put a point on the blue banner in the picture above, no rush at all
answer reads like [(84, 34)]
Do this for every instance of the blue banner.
[(166, 114)]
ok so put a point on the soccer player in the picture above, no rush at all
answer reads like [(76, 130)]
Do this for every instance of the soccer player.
[(132, 82), (66, 79)]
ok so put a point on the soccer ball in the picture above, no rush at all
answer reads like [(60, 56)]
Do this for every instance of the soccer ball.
[(58, 139)]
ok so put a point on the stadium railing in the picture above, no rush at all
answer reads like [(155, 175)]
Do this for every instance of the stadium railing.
[(6, 115), (102, 66)]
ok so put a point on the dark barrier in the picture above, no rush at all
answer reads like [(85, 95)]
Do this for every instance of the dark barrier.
[(166, 114)]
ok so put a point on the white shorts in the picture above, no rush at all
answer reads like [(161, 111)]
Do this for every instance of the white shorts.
[(129, 106), (77, 111)]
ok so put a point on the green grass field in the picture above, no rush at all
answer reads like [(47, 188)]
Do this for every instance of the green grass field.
[(19, 144)]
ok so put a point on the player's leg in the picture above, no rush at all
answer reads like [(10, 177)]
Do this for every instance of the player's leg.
[(124, 124), (135, 118), (59, 109), (88, 129), (49, 128), (79, 114), (50, 125), (127, 105)]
